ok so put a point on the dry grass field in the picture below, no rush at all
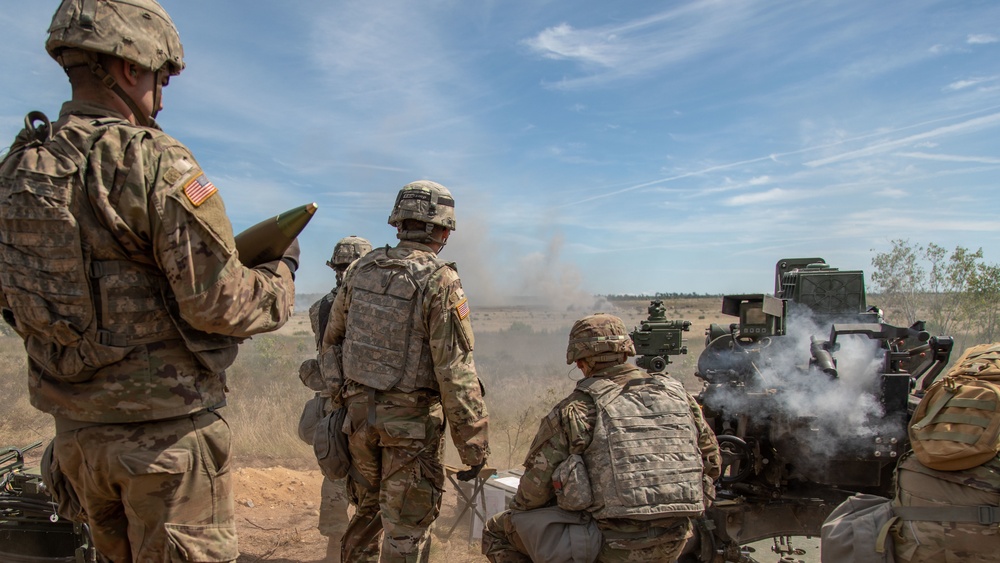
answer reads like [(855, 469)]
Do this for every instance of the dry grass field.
[(520, 355)]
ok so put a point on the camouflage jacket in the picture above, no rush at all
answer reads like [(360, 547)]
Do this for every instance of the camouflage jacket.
[(310, 372), (445, 320), (146, 189), (569, 429)]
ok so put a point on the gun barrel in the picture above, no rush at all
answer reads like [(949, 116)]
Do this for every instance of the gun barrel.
[(269, 239)]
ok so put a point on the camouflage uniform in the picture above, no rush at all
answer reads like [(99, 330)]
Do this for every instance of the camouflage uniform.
[(396, 423), (138, 439), (569, 429), (333, 494), (946, 542)]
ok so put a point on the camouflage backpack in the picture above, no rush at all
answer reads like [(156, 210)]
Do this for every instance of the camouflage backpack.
[(957, 424)]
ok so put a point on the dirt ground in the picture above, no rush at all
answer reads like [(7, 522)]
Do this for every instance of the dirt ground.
[(277, 509)]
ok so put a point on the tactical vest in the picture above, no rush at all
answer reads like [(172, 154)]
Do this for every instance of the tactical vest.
[(75, 293), (386, 345), (643, 461)]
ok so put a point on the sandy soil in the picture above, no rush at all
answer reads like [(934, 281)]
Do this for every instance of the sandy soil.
[(277, 509)]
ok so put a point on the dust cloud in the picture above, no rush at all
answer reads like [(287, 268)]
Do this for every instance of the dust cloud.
[(503, 274)]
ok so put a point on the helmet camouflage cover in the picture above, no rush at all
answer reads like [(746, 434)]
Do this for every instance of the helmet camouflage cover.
[(424, 201), (600, 335), (347, 250), (139, 31)]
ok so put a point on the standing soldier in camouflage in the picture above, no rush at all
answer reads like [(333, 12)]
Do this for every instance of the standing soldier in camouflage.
[(119, 270), (400, 332), (627, 453), (333, 502)]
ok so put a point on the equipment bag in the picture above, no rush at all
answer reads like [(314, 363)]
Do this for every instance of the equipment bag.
[(332, 453), (957, 424), (858, 530), (312, 414), (554, 535), (330, 445)]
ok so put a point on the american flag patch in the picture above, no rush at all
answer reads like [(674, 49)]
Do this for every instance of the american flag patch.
[(462, 309), (199, 189)]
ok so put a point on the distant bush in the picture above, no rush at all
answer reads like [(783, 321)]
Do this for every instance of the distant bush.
[(520, 327)]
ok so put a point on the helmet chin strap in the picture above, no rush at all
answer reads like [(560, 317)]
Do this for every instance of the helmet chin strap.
[(109, 81), (157, 94)]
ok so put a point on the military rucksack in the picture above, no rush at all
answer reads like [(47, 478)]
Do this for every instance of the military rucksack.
[(957, 424), (73, 292)]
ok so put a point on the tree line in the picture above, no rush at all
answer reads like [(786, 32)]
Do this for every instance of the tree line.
[(956, 293)]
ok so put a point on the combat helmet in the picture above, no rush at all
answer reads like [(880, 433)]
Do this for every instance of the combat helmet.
[(347, 250), (139, 31), (424, 201), (601, 337)]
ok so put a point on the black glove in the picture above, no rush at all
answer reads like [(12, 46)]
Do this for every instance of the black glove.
[(291, 256), (470, 473)]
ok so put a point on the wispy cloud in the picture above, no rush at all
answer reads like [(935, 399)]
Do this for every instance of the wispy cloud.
[(950, 157), (991, 120), (640, 46), (773, 195), (981, 39), (892, 193), (970, 82)]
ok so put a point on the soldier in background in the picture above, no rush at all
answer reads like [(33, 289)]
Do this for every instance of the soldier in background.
[(119, 270), (627, 453), (401, 334), (333, 515)]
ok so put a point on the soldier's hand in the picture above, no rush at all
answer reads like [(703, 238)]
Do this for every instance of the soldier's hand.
[(291, 256), (470, 473)]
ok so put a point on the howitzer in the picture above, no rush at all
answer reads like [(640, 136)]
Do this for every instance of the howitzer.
[(656, 339), (30, 529), (809, 395)]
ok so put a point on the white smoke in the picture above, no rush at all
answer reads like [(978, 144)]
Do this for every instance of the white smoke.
[(808, 413)]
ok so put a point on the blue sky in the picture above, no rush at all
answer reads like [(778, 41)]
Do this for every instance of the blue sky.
[(592, 147)]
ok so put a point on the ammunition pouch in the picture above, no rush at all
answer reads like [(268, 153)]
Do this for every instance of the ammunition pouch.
[(331, 368), (310, 375)]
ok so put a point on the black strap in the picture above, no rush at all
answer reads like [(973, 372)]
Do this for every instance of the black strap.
[(984, 515)]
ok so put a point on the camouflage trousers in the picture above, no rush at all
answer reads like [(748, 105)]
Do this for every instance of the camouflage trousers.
[(333, 516), (396, 443), (502, 544), (151, 492), (333, 507)]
